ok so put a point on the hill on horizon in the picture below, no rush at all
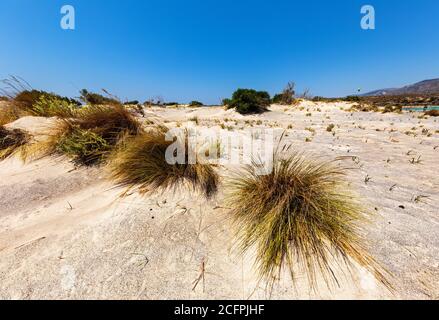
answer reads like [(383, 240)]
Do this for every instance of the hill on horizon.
[(423, 87)]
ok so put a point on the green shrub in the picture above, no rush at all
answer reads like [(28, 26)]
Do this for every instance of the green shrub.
[(195, 104), (247, 101), (226, 102), (352, 99)]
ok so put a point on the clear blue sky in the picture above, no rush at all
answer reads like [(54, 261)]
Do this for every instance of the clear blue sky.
[(203, 50)]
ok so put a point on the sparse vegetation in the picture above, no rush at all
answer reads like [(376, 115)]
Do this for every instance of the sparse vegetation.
[(140, 163), (89, 137), (98, 99), (287, 95), (11, 142), (330, 127), (432, 113), (302, 214), (195, 104)]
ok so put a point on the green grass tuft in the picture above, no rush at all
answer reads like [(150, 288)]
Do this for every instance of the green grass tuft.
[(140, 163), (90, 136), (301, 213)]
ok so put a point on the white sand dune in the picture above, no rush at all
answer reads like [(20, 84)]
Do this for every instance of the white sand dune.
[(67, 234)]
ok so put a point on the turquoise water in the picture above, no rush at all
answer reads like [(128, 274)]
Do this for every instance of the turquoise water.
[(422, 108)]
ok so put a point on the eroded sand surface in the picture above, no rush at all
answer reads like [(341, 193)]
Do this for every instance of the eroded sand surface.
[(66, 233)]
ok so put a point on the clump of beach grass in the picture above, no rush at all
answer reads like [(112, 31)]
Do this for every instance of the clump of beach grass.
[(12, 142), (9, 113), (91, 135), (23, 100), (303, 214), (140, 164)]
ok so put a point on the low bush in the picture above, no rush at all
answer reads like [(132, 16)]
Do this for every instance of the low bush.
[(352, 99), (195, 104), (132, 103)]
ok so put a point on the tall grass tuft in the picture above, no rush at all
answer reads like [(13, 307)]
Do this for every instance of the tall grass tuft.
[(301, 213), (11, 142), (90, 136), (140, 164)]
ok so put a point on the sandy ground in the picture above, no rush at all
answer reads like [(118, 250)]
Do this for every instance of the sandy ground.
[(66, 233)]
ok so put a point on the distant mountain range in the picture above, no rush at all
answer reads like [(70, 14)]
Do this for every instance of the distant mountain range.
[(423, 87)]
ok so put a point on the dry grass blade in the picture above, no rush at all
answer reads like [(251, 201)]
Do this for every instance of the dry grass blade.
[(300, 214), (140, 163)]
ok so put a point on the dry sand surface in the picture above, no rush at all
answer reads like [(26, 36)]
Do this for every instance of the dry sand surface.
[(66, 233)]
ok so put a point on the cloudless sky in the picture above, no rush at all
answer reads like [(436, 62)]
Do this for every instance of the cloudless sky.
[(204, 50)]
